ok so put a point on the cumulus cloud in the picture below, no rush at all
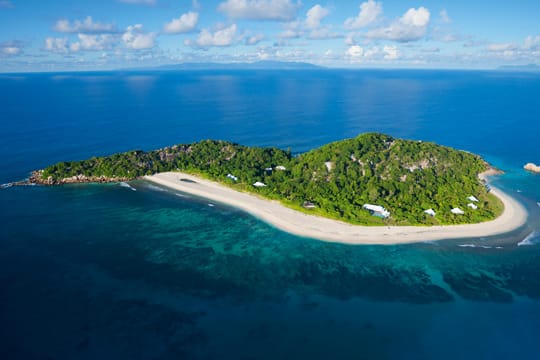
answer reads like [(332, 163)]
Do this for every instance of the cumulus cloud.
[(185, 23), (290, 33), (391, 52), (86, 26), (11, 48), (135, 38), (273, 10), (220, 38), (311, 27), (57, 45), (93, 42), (315, 15), (411, 26), (356, 53), (144, 2), (6, 4), (254, 40), (370, 12), (532, 43)]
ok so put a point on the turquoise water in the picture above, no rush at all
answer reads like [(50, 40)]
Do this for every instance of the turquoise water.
[(102, 271)]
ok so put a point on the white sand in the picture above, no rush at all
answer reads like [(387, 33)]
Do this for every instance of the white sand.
[(317, 227)]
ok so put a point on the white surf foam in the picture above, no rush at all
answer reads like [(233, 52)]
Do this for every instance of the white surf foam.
[(155, 188), (530, 239), (126, 185), (475, 246)]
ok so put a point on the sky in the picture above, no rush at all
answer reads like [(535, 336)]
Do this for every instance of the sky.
[(81, 35)]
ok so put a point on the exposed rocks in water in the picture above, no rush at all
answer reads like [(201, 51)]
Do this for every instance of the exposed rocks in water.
[(532, 167), (37, 178)]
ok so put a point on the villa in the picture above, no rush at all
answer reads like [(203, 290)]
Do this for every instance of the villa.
[(457, 211), (377, 210), (430, 212), (259, 184), (472, 206), (472, 198)]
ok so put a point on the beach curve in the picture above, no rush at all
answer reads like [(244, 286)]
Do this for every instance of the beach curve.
[(306, 225)]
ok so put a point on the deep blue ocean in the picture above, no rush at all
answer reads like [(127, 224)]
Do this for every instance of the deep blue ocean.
[(105, 272)]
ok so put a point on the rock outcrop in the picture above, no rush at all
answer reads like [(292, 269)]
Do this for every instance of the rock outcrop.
[(37, 178), (532, 167)]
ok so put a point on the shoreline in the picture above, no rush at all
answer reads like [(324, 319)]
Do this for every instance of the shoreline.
[(297, 223)]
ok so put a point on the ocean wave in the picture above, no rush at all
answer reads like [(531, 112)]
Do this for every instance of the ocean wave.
[(530, 239), (478, 246), (155, 188), (126, 185)]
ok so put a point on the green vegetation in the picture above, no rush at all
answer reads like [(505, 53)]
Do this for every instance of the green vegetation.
[(406, 177)]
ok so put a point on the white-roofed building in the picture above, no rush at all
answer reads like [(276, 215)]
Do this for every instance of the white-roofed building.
[(430, 212), (472, 206), (281, 167), (377, 210), (457, 211), (259, 184), (472, 198)]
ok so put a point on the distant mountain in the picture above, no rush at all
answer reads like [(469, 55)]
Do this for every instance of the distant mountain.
[(258, 65), (529, 67)]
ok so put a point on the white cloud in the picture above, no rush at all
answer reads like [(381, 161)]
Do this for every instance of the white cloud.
[(501, 47), (410, 27), (11, 48), (315, 15), (416, 17), (87, 26), (391, 52), (6, 4), (220, 38), (57, 45), (275, 10), (134, 38), (255, 39), (370, 12), (144, 2), (290, 34), (185, 23), (93, 42), (445, 18), (532, 43), (310, 27), (355, 51)]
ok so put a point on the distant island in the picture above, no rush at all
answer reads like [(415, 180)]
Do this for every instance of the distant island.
[(256, 65), (373, 179)]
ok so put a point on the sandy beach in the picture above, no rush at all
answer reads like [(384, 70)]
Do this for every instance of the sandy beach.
[(317, 227)]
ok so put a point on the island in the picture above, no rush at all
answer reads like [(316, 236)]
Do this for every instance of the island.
[(532, 168), (391, 187)]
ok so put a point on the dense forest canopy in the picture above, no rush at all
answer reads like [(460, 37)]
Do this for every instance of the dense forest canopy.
[(406, 177)]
